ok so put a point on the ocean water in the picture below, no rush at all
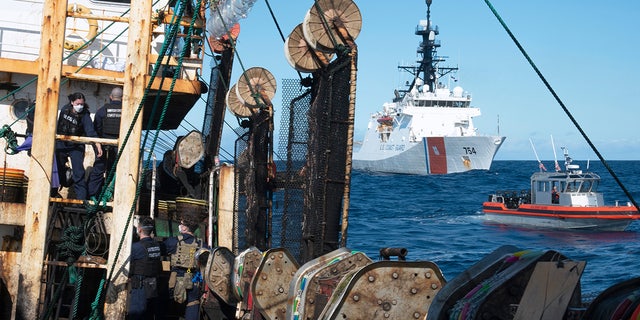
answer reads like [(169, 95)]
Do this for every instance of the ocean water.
[(439, 219)]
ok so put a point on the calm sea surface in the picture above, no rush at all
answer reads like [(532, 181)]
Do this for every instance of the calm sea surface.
[(439, 219)]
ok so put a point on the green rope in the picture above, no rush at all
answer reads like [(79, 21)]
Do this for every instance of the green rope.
[(78, 289), (56, 296), (70, 248), (96, 305), (98, 302), (564, 108), (72, 244), (104, 196), (12, 141)]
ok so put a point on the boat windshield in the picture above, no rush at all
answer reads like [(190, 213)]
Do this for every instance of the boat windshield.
[(587, 185)]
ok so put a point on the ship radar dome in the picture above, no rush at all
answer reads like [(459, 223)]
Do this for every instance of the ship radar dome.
[(457, 92)]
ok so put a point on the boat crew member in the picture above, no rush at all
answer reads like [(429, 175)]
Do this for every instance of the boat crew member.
[(106, 123), (185, 280), (74, 120), (555, 196), (146, 265)]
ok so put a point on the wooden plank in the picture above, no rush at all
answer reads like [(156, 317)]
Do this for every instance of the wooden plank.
[(92, 78), (37, 209), (549, 290), (87, 140), (136, 69), (19, 66), (225, 207)]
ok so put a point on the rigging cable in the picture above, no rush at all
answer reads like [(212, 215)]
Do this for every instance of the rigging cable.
[(108, 278), (564, 108), (279, 30)]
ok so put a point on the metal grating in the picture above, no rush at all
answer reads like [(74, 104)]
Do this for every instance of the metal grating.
[(305, 213), (288, 199)]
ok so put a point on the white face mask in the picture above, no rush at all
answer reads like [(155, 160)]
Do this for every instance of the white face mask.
[(78, 107)]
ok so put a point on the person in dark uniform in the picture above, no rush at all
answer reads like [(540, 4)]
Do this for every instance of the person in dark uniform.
[(146, 265), (555, 196), (106, 123), (74, 120), (186, 290)]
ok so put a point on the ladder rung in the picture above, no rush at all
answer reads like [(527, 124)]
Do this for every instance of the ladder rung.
[(87, 77), (78, 264), (111, 142), (76, 201)]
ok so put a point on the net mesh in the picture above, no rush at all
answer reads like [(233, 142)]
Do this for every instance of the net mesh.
[(307, 195)]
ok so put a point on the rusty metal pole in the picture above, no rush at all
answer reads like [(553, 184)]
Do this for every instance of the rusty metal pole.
[(135, 77), (349, 152), (44, 130)]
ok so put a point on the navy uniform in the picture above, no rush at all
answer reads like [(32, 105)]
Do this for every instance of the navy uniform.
[(107, 125), (74, 120), (146, 265)]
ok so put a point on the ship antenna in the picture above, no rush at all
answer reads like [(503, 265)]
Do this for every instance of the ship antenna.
[(555, 156), (567, 159), (428, 51), (540, 164)]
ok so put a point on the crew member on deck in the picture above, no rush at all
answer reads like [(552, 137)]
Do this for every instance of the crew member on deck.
[(555, 196), (74, 120), (185, 280), (107, 125), (146, 265)]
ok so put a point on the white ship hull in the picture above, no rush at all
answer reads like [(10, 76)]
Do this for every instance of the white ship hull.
[(431, 155), (428, 127)]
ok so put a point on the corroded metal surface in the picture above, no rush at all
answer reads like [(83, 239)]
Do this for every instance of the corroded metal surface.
[(190, 149), (245, 266), (218, 274), (270, 286), (324, 282), (304, 274), (386, 290)]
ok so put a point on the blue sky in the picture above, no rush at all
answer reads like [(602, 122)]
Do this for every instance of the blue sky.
[(587, 51)]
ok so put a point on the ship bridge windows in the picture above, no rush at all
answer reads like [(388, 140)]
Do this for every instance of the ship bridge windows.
[(461, 104), (442, 103)]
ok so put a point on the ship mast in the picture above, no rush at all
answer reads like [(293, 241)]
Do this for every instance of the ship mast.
[(427, 67)]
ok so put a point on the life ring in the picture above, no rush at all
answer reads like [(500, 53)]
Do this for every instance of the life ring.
[(93, 28)]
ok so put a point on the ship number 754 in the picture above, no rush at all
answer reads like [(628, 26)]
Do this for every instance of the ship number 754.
[(469, 150)]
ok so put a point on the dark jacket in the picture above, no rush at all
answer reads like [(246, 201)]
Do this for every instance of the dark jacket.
[(107, 120), (74, 124)]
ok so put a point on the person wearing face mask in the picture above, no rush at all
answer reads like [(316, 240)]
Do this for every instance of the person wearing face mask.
[(185, 280), (74, 120)]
